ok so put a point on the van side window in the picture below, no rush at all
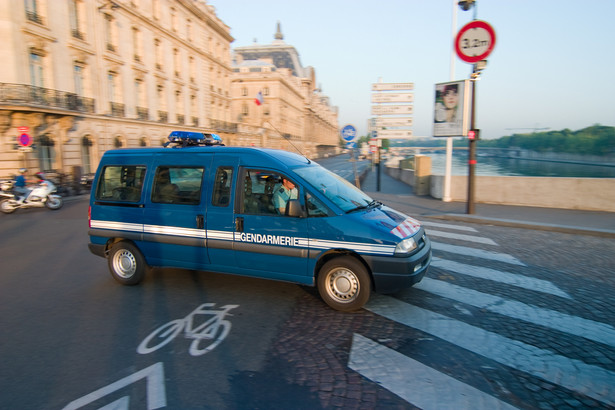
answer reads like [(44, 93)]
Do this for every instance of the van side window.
[(222, 186), (315, 207), (121, 183), (259, 187), (177, 185)]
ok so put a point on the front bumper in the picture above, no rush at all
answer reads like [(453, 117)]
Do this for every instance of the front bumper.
[(392, 274)]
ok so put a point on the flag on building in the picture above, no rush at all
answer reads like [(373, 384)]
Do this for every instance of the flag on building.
[(259, 98)]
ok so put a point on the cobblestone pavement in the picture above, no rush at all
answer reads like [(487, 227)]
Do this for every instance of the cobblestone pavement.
[(506, 318)]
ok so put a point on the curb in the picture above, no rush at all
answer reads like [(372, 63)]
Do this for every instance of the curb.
[(605, 233)]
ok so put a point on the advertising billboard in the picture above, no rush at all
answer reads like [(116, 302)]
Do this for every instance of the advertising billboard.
[(452, 107)]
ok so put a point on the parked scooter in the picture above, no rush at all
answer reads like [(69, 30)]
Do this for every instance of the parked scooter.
[(43, 194)]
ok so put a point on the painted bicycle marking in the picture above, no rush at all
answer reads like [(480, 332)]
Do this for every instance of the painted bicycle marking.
[(213, 330)]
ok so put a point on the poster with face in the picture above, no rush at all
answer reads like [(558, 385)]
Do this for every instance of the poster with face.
[(451, 109)]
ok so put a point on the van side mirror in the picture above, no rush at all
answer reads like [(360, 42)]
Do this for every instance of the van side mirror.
[(294, 209)]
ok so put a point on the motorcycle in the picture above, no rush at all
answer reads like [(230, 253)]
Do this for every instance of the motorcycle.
[(43, 194)]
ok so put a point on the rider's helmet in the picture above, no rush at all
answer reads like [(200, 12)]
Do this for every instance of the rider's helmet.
[(22, 170), (40, 175)]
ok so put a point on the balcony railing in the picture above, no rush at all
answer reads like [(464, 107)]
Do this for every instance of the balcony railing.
[(76, 33), (34, 16), (223, 126), (142, 113), (117, 109), (21, 94)]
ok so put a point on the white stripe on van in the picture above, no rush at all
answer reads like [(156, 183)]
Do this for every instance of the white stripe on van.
[(359, 247)]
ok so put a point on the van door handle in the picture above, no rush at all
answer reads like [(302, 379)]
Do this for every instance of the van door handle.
[(200, 222), (239, 224)]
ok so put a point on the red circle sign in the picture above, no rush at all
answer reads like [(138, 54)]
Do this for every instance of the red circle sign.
[(24, 140), (475, 41)]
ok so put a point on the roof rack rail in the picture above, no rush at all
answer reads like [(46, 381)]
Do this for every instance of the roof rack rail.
[(183, 139)]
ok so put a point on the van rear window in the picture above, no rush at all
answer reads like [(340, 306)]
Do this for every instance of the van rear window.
[(178, 185), (122, 183)]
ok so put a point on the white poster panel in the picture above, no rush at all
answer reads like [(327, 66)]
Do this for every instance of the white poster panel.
[(391, 109), (451, 109)]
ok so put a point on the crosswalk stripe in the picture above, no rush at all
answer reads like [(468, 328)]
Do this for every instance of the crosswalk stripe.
[(476, 253), (461, 237), (415, 382), (589, 329), (514, 279), (447, 226), (572, 374)]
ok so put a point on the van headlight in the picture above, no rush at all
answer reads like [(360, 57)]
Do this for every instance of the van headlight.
[(406, 246)]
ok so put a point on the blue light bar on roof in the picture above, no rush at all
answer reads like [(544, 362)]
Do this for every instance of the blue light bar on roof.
[(189, 138)]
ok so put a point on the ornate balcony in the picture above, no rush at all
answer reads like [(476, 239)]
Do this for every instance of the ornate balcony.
[(117, 109), (21, 94), (142, 113)]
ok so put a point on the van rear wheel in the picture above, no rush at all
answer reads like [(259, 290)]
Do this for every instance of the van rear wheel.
[(344, 284), (126, 263)]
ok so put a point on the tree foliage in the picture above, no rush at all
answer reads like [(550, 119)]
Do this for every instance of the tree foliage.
[(594, 140)]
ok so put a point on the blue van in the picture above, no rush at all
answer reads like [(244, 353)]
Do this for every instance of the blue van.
[(249, 211)]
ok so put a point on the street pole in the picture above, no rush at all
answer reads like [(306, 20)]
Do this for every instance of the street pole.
[(472, 147)]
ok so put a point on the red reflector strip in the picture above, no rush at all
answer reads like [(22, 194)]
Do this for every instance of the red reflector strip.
[(472, 162)]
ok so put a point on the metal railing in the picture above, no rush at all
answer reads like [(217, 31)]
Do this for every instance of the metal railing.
[(38, 96), (117, 109), (223, 126)]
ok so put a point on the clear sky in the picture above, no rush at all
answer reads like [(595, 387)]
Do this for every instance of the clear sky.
[(553, 65)]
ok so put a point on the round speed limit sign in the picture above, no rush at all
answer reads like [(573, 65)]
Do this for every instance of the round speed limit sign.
[(475, 41)]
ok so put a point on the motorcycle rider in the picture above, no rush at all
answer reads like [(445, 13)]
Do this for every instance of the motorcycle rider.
[(20, 185)]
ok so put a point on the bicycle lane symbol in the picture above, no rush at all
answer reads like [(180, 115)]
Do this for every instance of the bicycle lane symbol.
[(211, 332)]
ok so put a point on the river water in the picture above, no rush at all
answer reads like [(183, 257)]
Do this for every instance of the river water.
[(518, 167)]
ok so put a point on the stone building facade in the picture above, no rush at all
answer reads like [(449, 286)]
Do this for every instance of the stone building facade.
[(84, 76), (292, 114)]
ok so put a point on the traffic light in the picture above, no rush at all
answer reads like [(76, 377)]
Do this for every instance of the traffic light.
[(474, 135)]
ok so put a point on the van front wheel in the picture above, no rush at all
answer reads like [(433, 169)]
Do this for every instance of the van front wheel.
[(126, 263), (344, 284)]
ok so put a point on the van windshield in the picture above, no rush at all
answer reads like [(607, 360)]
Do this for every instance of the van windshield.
[(338, 190)]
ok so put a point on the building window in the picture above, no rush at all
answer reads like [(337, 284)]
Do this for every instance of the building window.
[(176, 62), (112, 85), (78, 77), (136, 43), (46, 152), (158, 54), (36, 69), (33, 11), (244, 110), (173, 19), (156, 9), (86, 143), (76, 19), (110, 35), (244, 91), (266, 91)]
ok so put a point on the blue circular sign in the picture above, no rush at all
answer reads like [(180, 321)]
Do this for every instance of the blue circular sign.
[(24, 140), (349, 132)]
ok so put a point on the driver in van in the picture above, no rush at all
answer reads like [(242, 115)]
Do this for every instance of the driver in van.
[(282, 194)]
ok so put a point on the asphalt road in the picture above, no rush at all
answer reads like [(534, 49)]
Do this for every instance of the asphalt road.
[(505, 318)]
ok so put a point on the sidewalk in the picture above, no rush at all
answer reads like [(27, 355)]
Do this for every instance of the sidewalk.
[(399, 195)]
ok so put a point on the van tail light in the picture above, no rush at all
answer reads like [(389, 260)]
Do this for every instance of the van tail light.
[(89, 216)]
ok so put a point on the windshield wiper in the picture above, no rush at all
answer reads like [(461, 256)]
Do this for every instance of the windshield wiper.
[(372, 204)]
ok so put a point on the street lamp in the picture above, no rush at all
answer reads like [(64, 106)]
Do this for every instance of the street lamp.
[(466, 5)]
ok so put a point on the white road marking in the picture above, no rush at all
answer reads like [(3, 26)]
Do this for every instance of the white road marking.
[(514, 279), (476, 253), (156, 393), (461, 237), (447, 226), (572, 374), (588, 329), (415, 382)]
